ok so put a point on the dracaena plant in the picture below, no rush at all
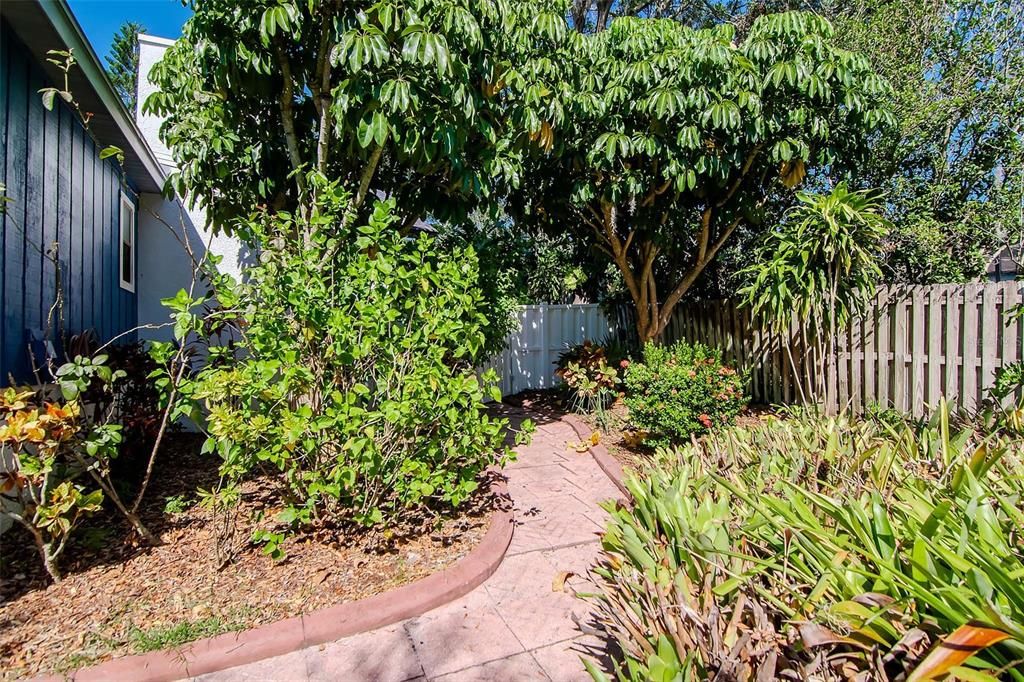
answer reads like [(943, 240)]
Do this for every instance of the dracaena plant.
[(820, 266)]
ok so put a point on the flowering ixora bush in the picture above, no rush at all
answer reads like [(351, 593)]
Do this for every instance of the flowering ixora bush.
[(681, 390), (351, 379)]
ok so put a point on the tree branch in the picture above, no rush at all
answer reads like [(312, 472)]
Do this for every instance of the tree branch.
[(743, 174), (322, 90), (691, 276), (367, 176), (286, 102), (655, 193), (705, 234), (618, 253)]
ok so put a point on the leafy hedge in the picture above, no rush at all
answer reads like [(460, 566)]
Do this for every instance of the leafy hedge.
[(681, 390), (352, 379)]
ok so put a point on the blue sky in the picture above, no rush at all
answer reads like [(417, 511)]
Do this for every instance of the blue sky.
[(100, 19)]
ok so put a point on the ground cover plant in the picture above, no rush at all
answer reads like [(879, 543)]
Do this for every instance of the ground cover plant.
[(821, 547), (682, 390)]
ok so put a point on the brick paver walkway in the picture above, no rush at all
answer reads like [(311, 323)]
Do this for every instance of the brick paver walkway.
[(513, 627)]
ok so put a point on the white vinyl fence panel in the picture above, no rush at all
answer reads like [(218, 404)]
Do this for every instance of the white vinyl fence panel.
[(545, 331)]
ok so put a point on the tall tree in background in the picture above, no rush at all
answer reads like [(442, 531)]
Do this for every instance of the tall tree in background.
[(675, 138), (428, 101), (123, 62), (953, 169), (595, 15)]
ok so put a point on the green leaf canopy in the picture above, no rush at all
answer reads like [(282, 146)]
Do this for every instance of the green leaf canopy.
[(430, 101), (674, 137)]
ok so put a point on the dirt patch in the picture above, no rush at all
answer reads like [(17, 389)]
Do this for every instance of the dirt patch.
[(119, 598)]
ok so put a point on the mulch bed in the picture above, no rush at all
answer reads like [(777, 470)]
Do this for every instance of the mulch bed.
[(119, 598)]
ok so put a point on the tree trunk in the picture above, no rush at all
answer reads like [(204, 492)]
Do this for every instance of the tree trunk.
[(45, 549), (50, 562), (635, 256)]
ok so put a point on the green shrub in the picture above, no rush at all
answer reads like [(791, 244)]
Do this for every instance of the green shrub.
[(681, 390), (351, 380), (820, 549)]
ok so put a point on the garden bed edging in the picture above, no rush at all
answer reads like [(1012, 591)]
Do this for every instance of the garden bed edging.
[(609, 465), (318, 627)]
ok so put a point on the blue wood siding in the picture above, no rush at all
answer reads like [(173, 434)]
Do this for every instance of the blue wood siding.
[(61, 192)]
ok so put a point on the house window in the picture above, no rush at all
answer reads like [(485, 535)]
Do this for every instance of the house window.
[(127, 244)]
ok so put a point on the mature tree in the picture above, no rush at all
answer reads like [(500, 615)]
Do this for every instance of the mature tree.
[(430, 101), (953, 169), (674, 138), (123, 62)]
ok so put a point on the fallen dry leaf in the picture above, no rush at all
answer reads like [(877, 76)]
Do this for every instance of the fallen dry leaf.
[(558, 584), (965, 641)]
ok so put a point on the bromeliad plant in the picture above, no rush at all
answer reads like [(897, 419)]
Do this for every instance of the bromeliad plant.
[(593, 383), (821, 548)]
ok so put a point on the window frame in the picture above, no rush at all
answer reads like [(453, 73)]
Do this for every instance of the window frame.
[(127, 205)]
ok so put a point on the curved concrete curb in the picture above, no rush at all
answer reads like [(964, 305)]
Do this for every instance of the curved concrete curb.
[(325, 625), (609, 465)]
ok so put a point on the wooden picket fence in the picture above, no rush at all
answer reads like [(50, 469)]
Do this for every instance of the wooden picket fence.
[(911, 346)]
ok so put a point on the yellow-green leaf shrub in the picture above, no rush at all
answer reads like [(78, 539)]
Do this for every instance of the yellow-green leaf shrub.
[(352, 379)]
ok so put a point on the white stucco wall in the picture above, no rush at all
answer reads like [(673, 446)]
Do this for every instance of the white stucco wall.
[(163, 265)]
